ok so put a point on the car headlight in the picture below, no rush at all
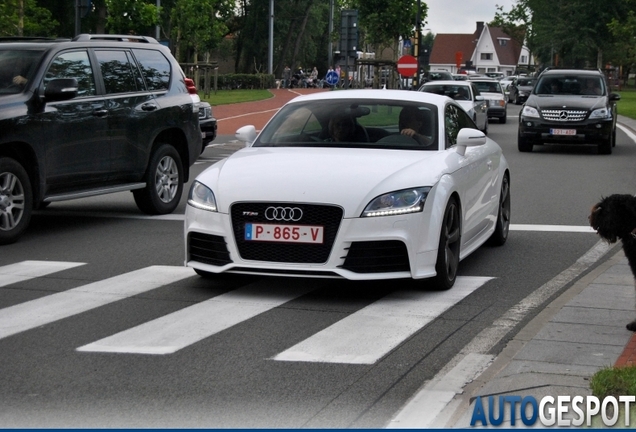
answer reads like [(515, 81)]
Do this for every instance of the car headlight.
[(529, 111), (601, 113), (201, 197), (397, 203)]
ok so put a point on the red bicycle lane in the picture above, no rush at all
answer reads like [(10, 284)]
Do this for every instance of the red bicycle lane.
[(230, 117)]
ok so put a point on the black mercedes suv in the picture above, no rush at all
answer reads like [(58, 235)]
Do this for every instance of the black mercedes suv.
[(89, 116), (569, 106)]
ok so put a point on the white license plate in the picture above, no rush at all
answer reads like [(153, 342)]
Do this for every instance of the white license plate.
[(563, 131), (284, 233)]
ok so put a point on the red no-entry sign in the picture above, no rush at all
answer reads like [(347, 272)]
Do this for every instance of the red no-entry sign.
[(407, 66)]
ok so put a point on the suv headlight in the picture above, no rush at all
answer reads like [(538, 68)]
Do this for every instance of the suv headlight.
[(201, 197), (601, 113), (529, 111), (397, 203)]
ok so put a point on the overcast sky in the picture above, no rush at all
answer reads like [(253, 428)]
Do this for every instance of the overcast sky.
[(461, 16)]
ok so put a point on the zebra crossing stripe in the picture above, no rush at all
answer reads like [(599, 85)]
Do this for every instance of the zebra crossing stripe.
[(179, 329), (54, 307), (367, 335), (25, 270)]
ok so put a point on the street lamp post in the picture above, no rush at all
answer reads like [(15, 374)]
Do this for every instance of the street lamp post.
[(416, 45)]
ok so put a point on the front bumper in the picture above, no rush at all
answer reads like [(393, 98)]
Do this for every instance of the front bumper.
[(412, 256), (497, 111), (539, 131)]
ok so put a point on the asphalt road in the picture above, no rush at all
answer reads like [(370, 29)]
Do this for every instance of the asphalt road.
[(78, 344)]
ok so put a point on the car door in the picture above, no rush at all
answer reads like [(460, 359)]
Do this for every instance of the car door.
[(474, 178), (129, 106), (74, 132)]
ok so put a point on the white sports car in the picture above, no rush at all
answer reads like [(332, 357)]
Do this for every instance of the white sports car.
[(356, 184)]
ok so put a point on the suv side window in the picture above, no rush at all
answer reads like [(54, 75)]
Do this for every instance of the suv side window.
[(455, 119), (73, 64), (119, 72), (155, 68)]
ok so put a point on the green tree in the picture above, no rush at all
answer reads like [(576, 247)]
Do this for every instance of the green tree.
[(131, 16), (25, 18)]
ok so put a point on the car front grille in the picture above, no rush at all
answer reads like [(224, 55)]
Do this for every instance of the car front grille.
[(386, 256), (208, 249), (563, 115), (327, 216)]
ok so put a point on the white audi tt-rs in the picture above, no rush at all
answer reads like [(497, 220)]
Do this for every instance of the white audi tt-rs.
[(356, 184)]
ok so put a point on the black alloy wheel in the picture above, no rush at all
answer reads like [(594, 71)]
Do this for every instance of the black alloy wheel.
[(448, 250)]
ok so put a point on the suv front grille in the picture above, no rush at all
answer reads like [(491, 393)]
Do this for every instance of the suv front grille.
[(563, 115), (377, 257), (327, 216)]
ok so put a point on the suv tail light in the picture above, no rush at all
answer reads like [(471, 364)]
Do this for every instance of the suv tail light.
[(192, 89)]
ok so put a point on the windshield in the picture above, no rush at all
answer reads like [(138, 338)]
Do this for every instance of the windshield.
[(488, 86), (353, 123), (16, 69), (457, 92), (570, 85), (525, 82)]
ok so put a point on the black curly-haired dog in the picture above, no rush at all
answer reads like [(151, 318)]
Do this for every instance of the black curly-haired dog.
[(613, 218)]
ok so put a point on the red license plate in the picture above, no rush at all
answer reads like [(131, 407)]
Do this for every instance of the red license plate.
[(563, 131), (284, 233)]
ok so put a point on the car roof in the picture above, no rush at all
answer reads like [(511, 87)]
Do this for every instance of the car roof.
[(26, 43), (571, 72), (448, 82), (373, 94)]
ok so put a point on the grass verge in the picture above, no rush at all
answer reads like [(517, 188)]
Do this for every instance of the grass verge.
[(224, 97), (615, 381), (627, 105)]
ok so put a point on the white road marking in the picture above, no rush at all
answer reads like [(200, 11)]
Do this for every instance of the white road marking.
[(177, 330), (627, 131), (26, 270), (54, 307), (553, 228), (367, 335)]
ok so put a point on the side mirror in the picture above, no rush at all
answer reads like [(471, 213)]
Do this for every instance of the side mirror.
[(60, 89), (614, 96), (468, 137), (479, 98), (246, 134)]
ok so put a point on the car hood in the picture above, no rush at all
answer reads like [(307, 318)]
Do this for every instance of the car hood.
[(567, 102), (492, 95), (525, 88), (350, 178)]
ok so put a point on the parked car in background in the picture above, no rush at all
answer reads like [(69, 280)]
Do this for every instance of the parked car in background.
[(467, 95), (569, 106), (93, 115), (460, 77), (491, 90), (495, 75), (424, 189), (207, 123), (520, 89)]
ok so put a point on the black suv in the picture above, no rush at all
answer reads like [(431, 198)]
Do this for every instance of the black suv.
[(92, 115), (569, 106)]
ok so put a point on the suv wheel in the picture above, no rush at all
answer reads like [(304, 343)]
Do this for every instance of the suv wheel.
[(164, 182), (523, 144), (605, 147), (16, 200)]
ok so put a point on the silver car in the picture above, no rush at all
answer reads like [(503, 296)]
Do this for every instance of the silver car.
[(494, 95), (467, 95)]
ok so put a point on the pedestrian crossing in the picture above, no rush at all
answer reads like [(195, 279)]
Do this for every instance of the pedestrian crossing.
[(363, 337)]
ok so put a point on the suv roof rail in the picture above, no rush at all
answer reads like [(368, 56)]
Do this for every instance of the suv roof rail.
[(113, 37)]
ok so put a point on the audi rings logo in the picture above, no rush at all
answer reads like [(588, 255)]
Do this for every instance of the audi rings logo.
[(287, 214)]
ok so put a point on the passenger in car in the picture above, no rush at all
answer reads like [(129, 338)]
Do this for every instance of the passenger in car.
[(414, 123), (591, 87), (342, 128)]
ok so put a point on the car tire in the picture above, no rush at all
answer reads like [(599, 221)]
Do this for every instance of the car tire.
[(16, 200), (605, 147), (164, 182), (502, 226), (503, 119), (448, 249), (614, 137), (523, 144)]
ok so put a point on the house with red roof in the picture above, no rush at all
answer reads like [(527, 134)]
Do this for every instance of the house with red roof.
[(488, 49)]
